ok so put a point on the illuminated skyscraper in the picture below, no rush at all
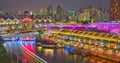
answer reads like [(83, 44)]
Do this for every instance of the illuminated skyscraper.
[(50, 10), (1, 12), (60, 10), (43, 11), (59, 13), (115, 10), (26, 12)]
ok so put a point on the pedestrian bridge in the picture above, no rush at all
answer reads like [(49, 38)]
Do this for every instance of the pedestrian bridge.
[(18, 37)]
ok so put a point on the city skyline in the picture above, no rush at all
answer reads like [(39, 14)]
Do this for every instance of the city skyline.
[(35, 5)]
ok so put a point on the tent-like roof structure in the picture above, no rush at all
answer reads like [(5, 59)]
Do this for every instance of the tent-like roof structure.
[(92, 35)]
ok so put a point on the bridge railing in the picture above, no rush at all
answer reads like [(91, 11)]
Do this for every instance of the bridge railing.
[(14, 37)]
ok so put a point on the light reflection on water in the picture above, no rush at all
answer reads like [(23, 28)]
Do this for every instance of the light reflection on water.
[(14, 49), (62, 56), (50, 55), (59, 56)]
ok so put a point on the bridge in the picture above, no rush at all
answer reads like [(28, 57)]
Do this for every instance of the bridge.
[(19, 40), (18, 37)]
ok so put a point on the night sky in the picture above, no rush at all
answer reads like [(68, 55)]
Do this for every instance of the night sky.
[(35, 5)]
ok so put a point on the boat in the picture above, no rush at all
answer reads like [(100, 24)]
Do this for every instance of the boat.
[(49, 46), (79, 52)]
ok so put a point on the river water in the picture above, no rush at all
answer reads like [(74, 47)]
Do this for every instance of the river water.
[(60, 55)]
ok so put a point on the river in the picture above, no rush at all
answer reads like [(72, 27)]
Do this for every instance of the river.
[(60, 55)]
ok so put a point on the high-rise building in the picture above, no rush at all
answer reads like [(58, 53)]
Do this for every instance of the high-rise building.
[(43, 11), (115, 10), (60, 10), (50, 10), (26, 12), (1, 12), (59, 13)]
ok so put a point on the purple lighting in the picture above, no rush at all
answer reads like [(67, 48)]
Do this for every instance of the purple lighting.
[(111, 27)]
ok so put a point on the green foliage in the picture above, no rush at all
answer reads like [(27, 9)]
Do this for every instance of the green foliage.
[(4, 58), (41, 31)]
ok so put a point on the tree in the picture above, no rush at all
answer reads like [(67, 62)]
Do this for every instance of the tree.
[(40, 31)]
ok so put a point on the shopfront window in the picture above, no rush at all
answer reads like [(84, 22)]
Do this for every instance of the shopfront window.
[(111, 45), (87, 40), (109, 51), (64, 37), (93, 41), (105, 43), (117, 45), (81, 39), (100, 43), (71, 38)]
